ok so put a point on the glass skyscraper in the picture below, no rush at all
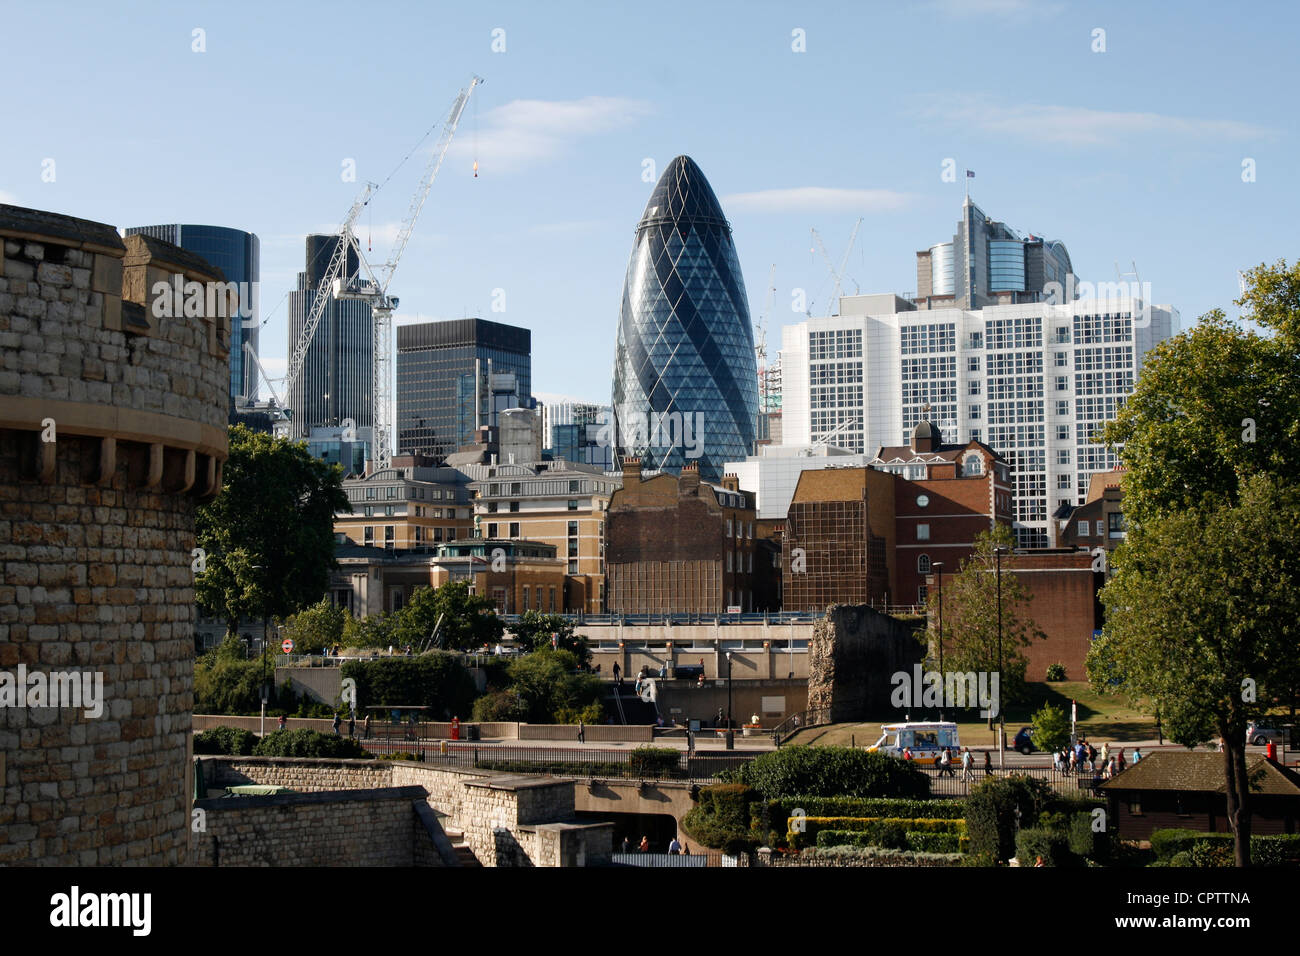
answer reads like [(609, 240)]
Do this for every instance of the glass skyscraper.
[(685, 375), (237, 255)]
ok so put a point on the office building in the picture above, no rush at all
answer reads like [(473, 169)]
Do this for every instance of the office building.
[(238, 255), (413, 505), (685, 381), (333, 389), (456, 376)]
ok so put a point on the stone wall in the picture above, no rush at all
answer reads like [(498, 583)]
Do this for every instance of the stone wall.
[(376, 827), (112, 428), (853, 653)]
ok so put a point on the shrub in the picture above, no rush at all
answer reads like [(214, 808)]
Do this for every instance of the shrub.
[(832, 771), (1211, 853), (1052, 845), (308, 743), (881, 831), (592, 713), (774, 813), (225, 740), (504, 705), (1056, 672), (1051, 728), (936, 842), (654, 761), (886, 857), (991, 813), (721, 820), (1275, 850), (1170, 842), (435, 680)]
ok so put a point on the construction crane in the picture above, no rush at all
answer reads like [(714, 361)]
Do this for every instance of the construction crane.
[(373, 289), (837, 272), (808, 450)]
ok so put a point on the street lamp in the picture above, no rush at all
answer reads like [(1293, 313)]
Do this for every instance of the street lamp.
[(937, 568), (731, 737), (1002, 744)]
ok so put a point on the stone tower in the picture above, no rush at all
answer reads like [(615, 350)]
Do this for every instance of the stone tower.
[(113, 404)]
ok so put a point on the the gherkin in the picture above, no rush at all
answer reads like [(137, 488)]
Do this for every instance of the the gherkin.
[(685, 379)]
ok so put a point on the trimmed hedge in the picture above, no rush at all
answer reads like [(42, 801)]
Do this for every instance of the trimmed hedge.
[(911, 840), (1175, 847), (777, 811), (225, 740), (721, 819), (309, 743), (832, 771), (884, 831), (654, 761), (887, 857)]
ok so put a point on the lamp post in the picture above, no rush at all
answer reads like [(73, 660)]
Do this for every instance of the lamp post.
[(731, 737), (1002, 744), (937, 568)]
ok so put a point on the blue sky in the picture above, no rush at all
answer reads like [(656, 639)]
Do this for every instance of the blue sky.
[(1131, 154)]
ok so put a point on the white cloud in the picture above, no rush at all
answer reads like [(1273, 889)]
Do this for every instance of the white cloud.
[(523, 132), (816, 199), (1080, 126)]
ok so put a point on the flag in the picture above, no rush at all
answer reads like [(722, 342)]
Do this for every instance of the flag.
[(970, 174)]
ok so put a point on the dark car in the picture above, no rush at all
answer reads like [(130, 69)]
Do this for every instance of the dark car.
[(1024, 742)]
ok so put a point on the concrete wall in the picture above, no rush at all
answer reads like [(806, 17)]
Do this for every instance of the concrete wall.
[(112, 429), (855, 652), (683, 700)]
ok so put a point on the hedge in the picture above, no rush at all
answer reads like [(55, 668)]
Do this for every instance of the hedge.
[(832, 771), (886, 831), (1052, 845), (721, 818), (436, 680), (912, 840), (225, 740), (887, 857), (1169, 845), (309, 743), (771, 816)]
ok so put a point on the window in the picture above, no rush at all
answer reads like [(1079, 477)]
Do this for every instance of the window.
[(974, 434), (525, 597), (492, 529), (973, 363), (392, 491), (1063, 408), (1115, 524), (514, 529), (388, 536), (751, 529), (573, 505), (1062, 334), (749, 562), (922, 592), (1061, 360), (514, 506), (1062, 432), (1062, 383), (515, 488), (451, 534), (492, 507), (972, 388), (1084, 529), (729, 562), (573, 529), (977, 340), (370, 494), (388, 511), (973, 465), (923, 564), (1062, 456), (573, 487), (370, 535), (974, 411), (573, 566), (922, 532), (1063, 482), (728, 527), (494, 490), (552, 597), (370, 511)]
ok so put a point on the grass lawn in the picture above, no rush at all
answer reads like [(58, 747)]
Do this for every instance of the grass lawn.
[(1102, 717)]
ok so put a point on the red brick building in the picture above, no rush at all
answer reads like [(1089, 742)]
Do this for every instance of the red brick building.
[(676, 544), (870, 535), (1062, 585)]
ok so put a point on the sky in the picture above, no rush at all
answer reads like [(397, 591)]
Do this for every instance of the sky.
[(1160, 136)]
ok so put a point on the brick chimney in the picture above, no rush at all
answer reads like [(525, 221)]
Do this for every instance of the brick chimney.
[(689, 483), (631, 472), (731, 482)]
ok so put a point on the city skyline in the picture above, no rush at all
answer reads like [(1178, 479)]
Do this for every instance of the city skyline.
[(1101, 143)]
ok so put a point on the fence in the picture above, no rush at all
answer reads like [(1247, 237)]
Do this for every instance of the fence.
[(958, 784), (702, 767)]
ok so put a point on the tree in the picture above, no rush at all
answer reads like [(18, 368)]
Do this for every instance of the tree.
[(1051, 728), (1211, 438), (1204, 601), (316, 628), (468, 620), (268, 538), (971, 617), (536, 630), (551, 688)]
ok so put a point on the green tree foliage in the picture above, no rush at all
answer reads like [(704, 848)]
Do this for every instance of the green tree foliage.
[(1051, 728), (832, 771), (372, 631), (468, 620), (268, 538), (721, 820), (309, 743), (225, 740), (1203, 605), (435, 679), (970, 609), (534, 632), (553, 690), (316, 628), (225, 682), (991, 814)]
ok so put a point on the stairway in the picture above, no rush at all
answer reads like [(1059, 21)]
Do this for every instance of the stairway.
[(463, 852)]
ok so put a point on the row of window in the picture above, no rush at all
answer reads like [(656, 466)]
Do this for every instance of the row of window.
[(835, 344), (739, 563), (937, 337)]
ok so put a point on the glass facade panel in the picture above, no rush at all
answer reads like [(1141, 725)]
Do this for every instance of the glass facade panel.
[(685, 380)]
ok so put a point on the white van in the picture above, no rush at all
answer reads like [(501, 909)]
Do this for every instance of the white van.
[(925, 739)]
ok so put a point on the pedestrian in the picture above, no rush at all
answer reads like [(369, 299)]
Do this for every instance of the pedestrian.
[(618, 675), (1056, 761), (718, 719), (1137, 754), (907, 753), (644, 846), (281, 721), (686, 849), (582, 732), (988, 763), (1092, 758), (700, 681), (1120, 763), (337, 723), (663, 671), (674, 847), (1038, 861), (690, 742), (945, 763), (627, 846), (1105, 753), (367, 727), (352, 725), (967, 764)]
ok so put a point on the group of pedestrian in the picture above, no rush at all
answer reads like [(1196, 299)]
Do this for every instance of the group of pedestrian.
[(675, 847)]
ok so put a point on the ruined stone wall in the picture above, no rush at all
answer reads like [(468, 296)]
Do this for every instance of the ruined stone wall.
[(112, 429), (853, 653)]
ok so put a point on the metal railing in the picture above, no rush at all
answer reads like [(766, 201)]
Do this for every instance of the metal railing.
[(959, 782), (749, 617), (813, 717)]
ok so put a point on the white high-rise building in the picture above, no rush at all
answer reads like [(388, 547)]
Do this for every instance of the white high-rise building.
[(1032, 380)]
